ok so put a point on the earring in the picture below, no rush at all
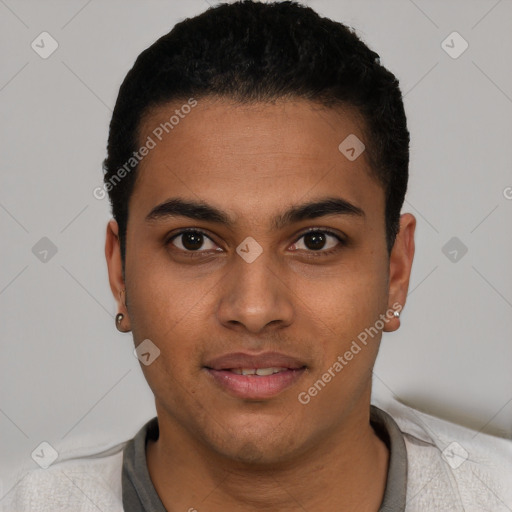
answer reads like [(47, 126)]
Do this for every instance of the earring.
[(396, 314), (119, 319)]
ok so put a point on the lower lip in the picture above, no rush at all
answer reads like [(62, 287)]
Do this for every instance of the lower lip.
[(255, 387)]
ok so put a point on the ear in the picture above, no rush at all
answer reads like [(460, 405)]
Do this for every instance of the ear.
[(115, 271), (400, 264)]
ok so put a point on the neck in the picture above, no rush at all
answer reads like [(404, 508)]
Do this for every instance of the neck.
[(347, 471)]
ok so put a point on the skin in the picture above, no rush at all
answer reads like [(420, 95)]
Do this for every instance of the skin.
[(215, 451)]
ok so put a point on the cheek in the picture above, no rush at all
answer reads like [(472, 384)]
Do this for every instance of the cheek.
[(348, 300), (347, 342), (161, 301), (174, 373), (167, 315)]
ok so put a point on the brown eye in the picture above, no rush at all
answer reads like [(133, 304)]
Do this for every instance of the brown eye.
[(192, 241), (315, 240), (321, 241)]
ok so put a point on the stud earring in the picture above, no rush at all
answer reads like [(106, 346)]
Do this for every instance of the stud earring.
[(396, 314), (119, 319)]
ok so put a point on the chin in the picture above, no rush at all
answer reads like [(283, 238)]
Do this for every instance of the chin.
[(254, 454), (264, 447)]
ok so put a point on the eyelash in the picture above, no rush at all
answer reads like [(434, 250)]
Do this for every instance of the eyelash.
[(310, 253)]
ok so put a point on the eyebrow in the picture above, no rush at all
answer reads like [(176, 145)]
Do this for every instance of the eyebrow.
[(199, 210)]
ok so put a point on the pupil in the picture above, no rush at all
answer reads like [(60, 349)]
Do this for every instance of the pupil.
[(317, 241), (192, 240)]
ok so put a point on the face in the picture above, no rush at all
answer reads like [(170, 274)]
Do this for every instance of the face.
[(229, 271)]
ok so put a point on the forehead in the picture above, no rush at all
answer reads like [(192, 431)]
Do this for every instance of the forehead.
[(252, 157)]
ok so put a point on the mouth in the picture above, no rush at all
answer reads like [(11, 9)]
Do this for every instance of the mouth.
[(255, 377), (261, 372)]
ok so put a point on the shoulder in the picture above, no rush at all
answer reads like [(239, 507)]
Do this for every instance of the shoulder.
[(451, 467), (80, 483)]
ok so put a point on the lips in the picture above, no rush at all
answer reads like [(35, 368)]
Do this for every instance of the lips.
[(244, 360), (255, 377)]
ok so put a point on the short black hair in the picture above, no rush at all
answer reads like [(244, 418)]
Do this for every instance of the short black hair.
[(258, 52)]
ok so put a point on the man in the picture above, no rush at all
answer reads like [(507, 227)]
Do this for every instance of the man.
[(257, 166)]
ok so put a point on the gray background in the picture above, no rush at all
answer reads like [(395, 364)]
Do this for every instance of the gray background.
[(69, 378)]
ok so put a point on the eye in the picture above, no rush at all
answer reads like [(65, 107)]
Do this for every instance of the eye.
[(322, 242), (191, 240), (317, 240)]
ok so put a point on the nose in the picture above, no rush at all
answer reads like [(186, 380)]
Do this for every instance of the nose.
[(255, 296)]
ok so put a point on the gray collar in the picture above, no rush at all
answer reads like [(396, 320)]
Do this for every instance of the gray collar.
[(139, 494)]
